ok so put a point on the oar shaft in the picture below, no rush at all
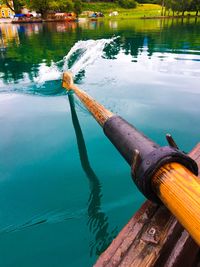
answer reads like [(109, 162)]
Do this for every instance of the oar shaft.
[(174, 184), (179, 190), (99, 112)]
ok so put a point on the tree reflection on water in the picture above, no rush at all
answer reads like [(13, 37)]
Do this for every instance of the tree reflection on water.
[(25, 47)]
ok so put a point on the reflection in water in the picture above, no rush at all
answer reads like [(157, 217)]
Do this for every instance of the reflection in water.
[(79, 58), (113, 24), (8, 34), (2, 44), (112, 49), (97, 220), (34, 61), (152, 81)]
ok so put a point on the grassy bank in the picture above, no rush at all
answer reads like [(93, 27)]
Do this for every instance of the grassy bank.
[(142, 10)]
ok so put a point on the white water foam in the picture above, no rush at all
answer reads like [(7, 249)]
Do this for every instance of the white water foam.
[(80, 57), (47, 73), (89, 52)]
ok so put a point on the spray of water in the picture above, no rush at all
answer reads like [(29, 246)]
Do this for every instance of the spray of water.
[(82, 55), (85, 53)]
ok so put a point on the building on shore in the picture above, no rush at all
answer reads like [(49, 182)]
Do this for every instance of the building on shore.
[(5, 11)]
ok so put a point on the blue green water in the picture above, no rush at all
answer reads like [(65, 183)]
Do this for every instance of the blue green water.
[(65, 192)]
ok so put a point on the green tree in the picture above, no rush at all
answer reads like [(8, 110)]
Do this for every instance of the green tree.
[(62, 5), (195, 6), (184, 5), (77, 7), (44, 6), (172, 5), (16, 6), (41, 6), (127, 3), (178, 6), (163, 5)]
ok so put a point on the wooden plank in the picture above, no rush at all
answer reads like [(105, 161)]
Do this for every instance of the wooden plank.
[(183, 253), (153, 237)]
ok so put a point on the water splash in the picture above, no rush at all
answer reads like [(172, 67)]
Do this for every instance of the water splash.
[(84, 54), (47, 73), (47, 81)]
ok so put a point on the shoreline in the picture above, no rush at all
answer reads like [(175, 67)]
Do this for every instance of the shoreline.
[(8, 20)]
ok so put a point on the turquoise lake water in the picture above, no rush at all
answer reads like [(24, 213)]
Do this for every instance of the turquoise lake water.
[(65, 191)]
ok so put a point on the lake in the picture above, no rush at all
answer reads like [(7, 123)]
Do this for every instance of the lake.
[(65, 191)]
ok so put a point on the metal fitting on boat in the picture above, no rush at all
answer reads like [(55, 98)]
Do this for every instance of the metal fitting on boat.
[(143, 155)]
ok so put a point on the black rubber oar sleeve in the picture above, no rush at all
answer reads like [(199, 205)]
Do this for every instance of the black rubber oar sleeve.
[(126, 138), (150, 156)]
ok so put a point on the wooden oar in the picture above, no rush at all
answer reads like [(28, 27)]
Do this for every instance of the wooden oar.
[(98, 111), (165, 173)]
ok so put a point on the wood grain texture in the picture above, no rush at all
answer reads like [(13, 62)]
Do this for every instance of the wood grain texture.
[(139, 245), (99, 112), (179, 190)]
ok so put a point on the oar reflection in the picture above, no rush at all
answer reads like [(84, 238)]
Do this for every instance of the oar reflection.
[(97, 220)]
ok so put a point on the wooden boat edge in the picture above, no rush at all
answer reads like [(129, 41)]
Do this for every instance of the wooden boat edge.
[(145, 242)]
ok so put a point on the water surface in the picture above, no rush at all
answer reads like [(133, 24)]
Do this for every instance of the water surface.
[(65, 192)]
